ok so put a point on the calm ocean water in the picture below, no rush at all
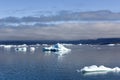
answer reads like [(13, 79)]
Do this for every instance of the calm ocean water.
[(39, 65)]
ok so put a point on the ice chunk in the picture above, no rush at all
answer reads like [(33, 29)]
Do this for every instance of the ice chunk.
[(55, 48), (98, 69), (7, 46), (44, 44), (32, 49), (80, 44), (24, 45), (67, 44), (111, 44), (59, 53)]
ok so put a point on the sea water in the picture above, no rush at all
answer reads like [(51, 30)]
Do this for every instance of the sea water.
[(39, 65)]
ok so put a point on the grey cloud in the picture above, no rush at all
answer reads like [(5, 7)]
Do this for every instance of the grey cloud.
[(101, 15), (25, 25), (45, 27), (65, 31), (10, 20)]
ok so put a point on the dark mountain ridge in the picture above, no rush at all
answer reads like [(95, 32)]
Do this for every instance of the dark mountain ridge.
[(100, 41)]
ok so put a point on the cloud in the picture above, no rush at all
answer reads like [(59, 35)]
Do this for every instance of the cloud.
[(61, 16), (65, 31), (65, 16), (96, 24)]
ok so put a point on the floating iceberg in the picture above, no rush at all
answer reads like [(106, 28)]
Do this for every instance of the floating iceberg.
[(55, 48), (67, 44), (32, 49), (80, 44), (44, 44), (99, 69), (111, 44), (7, 46), (24, 45)]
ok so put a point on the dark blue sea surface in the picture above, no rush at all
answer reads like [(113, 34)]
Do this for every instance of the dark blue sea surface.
[(39, 65)]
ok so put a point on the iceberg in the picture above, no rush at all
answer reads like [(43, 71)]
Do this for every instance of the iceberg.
[(111, 44), (80, 44), (99, 69), (55, 48), (67, 44), (32, 49), (7, 46), (24, 45)]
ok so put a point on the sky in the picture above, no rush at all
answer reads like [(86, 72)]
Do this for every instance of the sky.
[(60, 4), (8, 7), (59, 19)]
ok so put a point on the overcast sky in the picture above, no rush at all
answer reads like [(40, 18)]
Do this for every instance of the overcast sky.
[(59, 19)]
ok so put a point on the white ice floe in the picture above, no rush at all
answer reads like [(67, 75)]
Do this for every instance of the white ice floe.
[(111, 44), (7, 46), (80, 44), (67, 44), (37, 45), (56, 47), (24, 45), (32, 49), (44, 44), (99, 69), (21, 49)]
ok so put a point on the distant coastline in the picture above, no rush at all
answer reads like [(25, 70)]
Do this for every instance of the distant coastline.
[(100, 41)]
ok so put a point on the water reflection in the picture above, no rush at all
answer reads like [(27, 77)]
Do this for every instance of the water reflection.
[(60, 54), (94, 73), (98, 73)]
